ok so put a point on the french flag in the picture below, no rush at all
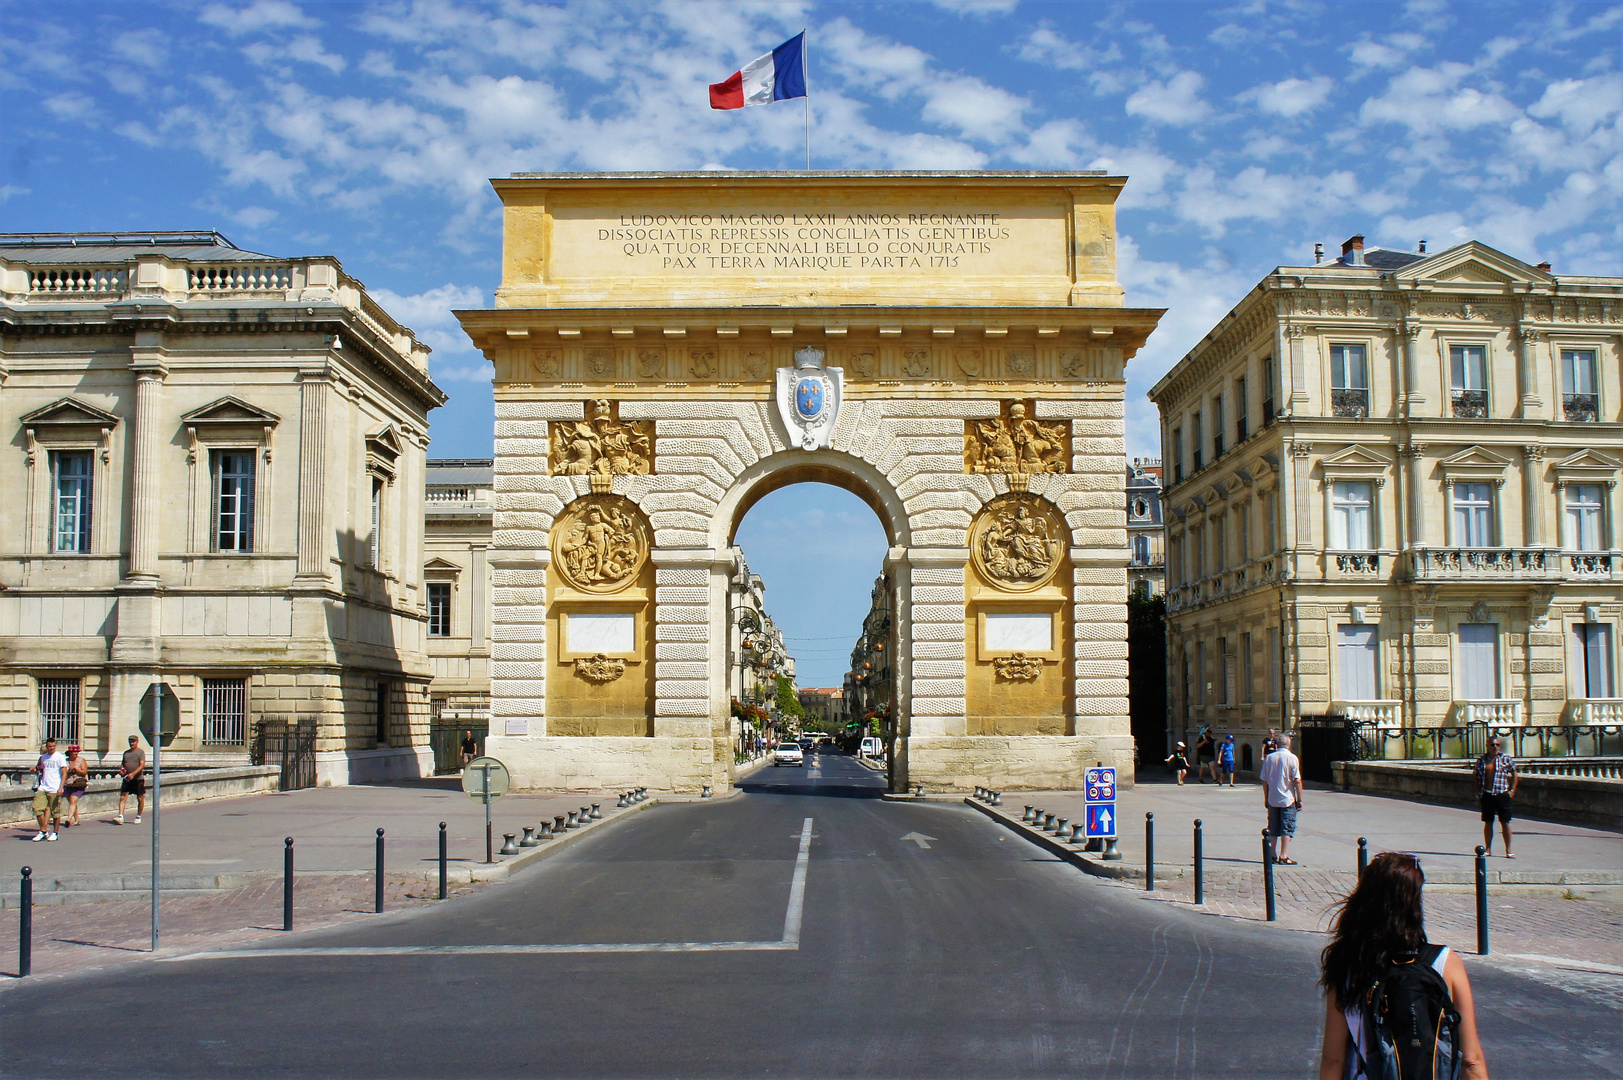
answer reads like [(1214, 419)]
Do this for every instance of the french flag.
[(778, 75)]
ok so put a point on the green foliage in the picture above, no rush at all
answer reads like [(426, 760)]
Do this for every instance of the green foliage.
[(788, 702)]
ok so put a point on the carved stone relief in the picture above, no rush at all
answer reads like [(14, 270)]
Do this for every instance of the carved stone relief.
[(600, 669), (916, 363), (1018, 668), (865, 364), (650, 363), (1016, 443), (1017, 541), (968, 361), (600, 363), (755, 364), (599, 543), (601, 445), (548, 363), (702, 363), (1020, 362)]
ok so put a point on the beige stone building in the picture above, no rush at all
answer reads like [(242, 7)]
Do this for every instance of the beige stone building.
[(1391, 496), (1146, 530), (214, 467), (458, 511), (669, 348)]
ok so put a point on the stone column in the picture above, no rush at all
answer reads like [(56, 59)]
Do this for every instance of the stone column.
[(1414, 455), (146, 489), (1527, 371), (1532, 496), (478, 630), (1411, 368), (314, 389), (927, 611)]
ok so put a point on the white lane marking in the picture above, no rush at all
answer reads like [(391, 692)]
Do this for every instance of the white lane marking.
[(797, 889), (919, 838), (790, 942)]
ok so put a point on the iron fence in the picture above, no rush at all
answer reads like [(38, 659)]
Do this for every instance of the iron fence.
[(1367, 741), (292, 746)]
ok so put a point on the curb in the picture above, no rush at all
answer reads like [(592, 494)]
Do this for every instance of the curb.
[(1076, 858)]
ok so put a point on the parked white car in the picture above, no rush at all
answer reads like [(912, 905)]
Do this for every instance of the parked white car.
[(788, 754)]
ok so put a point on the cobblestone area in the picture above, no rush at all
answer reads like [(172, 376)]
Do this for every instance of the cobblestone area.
[(81, 937)]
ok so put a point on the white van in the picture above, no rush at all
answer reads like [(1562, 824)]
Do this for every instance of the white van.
[(872, 746)]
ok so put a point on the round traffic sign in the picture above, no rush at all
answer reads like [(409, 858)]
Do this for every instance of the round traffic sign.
[(474, 778)]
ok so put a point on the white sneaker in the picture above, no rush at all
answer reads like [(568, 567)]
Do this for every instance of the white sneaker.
[(52, 836), (38, 837), (118, 820), (138, 821)]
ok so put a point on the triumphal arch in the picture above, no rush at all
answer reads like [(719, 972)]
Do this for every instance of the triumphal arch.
[(671, 347)]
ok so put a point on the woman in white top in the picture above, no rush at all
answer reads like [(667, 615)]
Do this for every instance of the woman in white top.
[(1381, 920)]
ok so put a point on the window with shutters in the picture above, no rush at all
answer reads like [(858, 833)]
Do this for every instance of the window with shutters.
[(72, 484), (1580, 398), (233, 476), (1468, 374), (1352, 514), (1355, 663), (439, 608), (1349, 381), (1584, 517), (1593, 676), (1479, 661), (1473, 515)]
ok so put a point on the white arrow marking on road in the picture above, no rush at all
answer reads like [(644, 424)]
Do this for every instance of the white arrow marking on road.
[(919, 838)]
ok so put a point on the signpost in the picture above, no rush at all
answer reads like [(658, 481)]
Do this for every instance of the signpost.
[(160, 713), (1099, 796), (485, 778)]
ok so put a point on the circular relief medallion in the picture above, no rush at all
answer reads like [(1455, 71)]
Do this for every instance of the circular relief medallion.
[(599, 543), (1017, 541)]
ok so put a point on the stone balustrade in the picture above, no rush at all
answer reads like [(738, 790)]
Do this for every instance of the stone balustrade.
[(1385, 712), (1493, 711), (1484, 564), (1594, 711)]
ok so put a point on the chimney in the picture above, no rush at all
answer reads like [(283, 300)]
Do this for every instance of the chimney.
[(1422, 247), (1318, 254), (1352, 251), (1544, 266)]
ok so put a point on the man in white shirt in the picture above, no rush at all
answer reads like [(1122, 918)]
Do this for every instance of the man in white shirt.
[(1282, 795), (48, 791)]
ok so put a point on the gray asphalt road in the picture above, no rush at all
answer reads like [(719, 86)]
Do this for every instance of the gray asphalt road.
[(976, 955)]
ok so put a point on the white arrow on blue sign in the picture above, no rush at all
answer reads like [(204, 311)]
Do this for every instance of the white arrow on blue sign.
[(1101, 819)]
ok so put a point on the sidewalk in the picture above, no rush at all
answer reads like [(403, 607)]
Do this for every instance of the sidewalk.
[(1328, 829), (225, 843)]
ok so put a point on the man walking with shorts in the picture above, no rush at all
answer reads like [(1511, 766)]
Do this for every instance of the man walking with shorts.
[(1282, 795), (48, 790), (134, 771), (1496, 780)]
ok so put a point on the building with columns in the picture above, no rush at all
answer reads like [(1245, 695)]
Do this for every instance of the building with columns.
[(458, 511), (1391, 497), (215, 461)]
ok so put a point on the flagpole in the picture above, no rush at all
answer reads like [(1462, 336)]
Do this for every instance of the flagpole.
[(805, 77)]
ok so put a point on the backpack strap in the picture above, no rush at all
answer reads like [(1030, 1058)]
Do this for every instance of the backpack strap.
[(1434, 956)]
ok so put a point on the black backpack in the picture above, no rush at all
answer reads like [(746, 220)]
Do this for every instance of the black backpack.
[(1412, 1027)]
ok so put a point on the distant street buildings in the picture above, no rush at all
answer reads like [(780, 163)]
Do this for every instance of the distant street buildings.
[(1146, 533), (1392, 497)]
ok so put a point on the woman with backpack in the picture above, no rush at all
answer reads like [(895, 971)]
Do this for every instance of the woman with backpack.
[(1395, 1005)]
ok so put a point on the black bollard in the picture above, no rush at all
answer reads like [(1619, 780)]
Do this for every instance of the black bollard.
[(1149, 852), (377, 891), (25, 924), (443, 860), (1059, 827), (1200, 865), (1268, 877), (287, 885), (1363, 857), (558, 825), (1481, 900), (1027, 815)]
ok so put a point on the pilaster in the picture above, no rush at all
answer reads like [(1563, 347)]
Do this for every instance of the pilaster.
[(315, 387)]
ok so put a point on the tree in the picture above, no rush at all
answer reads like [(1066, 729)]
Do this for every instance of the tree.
[(788, 701)]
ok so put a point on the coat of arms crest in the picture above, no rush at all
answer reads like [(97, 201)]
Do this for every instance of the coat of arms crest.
[(809, 398)]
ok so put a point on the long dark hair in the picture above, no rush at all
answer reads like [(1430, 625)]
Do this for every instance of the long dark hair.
[(1381, 918)]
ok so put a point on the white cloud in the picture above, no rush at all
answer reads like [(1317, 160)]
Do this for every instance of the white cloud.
[(1045, 46), (257, 16), (1176, 101), (477, 373), (148, 48), (1290, 97), (1427, 100), (981, 8), (429, 315), (8, 191), (71, 106), (1581, 104), (305, 48), (1147, 171)]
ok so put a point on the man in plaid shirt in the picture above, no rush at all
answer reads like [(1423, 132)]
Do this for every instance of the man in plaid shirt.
[(1496, 780)]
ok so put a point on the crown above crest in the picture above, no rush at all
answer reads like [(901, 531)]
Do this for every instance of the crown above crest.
[(809, 356)]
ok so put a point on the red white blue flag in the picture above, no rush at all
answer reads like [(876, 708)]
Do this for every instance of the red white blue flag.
[(777, 76)]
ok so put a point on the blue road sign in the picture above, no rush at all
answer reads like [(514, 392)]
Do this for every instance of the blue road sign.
[(1100, 785), (1101, 819)]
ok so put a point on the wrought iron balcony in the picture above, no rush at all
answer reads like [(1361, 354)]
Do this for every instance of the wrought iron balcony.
[(1484, 564), (1584, 408), (1471, 404), (1353, 403)]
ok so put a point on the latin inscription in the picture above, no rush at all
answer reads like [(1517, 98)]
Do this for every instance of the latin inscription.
[(820, 243)]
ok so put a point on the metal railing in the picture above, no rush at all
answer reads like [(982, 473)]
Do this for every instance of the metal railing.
[(1379, 742), (292, 746), (1583, 408), (1471, 404), (1350, 402), (225, 711)]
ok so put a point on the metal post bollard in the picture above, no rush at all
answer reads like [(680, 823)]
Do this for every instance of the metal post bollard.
[(529, 839), (1076, 833), (1200, 864), (25, 924), (1363, 857), (443, 861), (574, 820), (1059, 827), (508, 847), (997, 798), (1481, 900), (558, 825), (1149, 852), (1048, 822), (1268, 877), (597, 812), (1027, 815), (287, 885), (377, 883)]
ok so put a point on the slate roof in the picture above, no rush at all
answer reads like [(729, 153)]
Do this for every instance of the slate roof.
[(461, 472), (81, 248), (1377, 258)]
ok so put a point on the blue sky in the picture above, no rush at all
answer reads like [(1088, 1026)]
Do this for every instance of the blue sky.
[(1249, 131)]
